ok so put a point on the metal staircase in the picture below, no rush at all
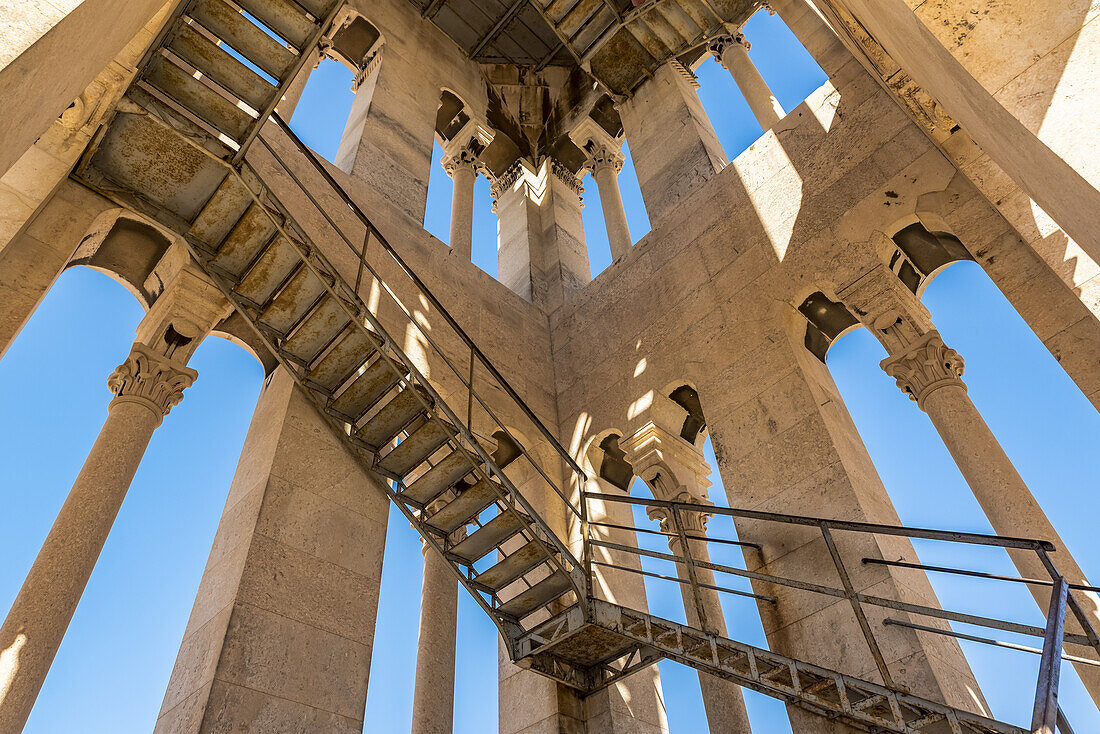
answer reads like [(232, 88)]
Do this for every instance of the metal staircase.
[(176, 150)]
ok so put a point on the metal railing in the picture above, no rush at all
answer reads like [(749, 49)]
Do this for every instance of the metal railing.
[(1047, 717), (476, 375)]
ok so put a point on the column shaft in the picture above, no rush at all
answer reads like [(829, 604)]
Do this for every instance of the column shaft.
[(36, 624), (722, 699), (930, 372), (433, 693), (1008, 503), (614, 215), (462, 211), (765, 107)]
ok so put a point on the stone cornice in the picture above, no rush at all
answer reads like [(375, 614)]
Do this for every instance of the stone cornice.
[(924, 367), (151, 379)]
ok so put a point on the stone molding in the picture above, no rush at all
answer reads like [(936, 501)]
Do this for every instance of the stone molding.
[(151, 379), (924, 367), (671, 466), (566, 176)]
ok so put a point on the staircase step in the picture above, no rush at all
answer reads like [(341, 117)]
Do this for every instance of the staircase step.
[(489, 537), (399, 412), (221, 212), (293, 301), (215, 62), (418, 446), (511, 568), (252, 232), (243, 36), (197, 98), (318, 329), (439, 478), (367, 389), (467, 505), (281, 17), (270, 271), (349, 352), (537, 597)]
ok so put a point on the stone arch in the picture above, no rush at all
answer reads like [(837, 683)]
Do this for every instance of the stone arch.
[(824, 320), (138, 255), (126, 248), (921, 246), (356, 43)]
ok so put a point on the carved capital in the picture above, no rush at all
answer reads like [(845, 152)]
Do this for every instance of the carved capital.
[(601, 158), (924, 367), (693, 523), (719, 44), (151, 379), (463, 158)]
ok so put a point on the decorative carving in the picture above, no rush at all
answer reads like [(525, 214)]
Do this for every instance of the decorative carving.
[(601, 157), (719, 44), (693, 523), (686, 73), (463, 157), (566, 176), (150, 379), (925, 366)]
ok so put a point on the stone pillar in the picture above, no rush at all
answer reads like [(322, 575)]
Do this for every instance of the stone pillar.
[(672, 143), (462, 166), (434, 690), (784, 442), (930, 373), (147, 385), (281, 632), (677, 472), (540, 236), (732, 52), (813, 33), (387, 141), (605, 164)]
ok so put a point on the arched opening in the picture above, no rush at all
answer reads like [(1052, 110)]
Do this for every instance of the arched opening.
[(54, 398), (789, 70), (921, 255), (1043, 423), (826, 321)]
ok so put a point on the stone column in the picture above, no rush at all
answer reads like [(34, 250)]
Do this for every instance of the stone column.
[(732, 53), (462, 167), (676, 471), (434, 690), (541, 249), (605, 164), (930, 373), (146, 386)]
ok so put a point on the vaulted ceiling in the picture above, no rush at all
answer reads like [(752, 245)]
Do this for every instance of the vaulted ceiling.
[(619, 42)]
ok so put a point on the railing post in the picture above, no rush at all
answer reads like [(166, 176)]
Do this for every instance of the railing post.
[(689, 563), (1045, 716), (850, 592)]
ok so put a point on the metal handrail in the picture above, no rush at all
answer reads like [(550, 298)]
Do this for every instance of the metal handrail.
[(320, 168)]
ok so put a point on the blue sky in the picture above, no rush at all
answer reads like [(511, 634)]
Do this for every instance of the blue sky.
[(113, 666)]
